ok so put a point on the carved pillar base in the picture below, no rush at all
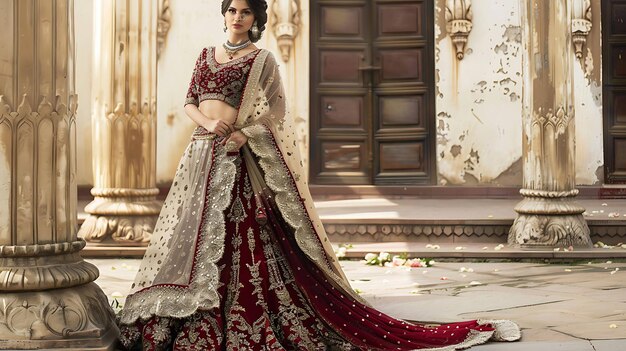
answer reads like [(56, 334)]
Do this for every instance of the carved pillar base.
[(78, 318), (44, 266), (121, 216), (549, 221)]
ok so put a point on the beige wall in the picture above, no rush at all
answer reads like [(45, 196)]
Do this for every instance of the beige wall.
[(84, 17), (478, 101), (478, 105), (588, 97), (195, 25)]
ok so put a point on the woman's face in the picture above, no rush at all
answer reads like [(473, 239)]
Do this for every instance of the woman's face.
[(239, 17)]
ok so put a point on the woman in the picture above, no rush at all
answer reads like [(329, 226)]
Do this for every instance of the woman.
[(239, 259)]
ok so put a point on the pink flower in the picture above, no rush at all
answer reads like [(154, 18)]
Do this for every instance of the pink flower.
[(398, 261), (415, 263)]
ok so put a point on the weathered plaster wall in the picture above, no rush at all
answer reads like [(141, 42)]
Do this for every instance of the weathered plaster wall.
[(478, 99), (194, 25), (588, 98), (295, 73), (478, 103), (84, 18)]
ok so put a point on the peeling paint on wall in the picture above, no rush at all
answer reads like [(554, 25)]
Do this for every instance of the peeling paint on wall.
[(588, 108), (478, 108), (478, 99)]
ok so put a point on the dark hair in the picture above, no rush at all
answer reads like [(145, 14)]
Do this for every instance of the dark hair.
[(258, 8)]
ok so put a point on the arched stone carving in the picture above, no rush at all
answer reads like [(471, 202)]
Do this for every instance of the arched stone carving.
[(459, 24), (286, 16), (581, 25), (164, 23)]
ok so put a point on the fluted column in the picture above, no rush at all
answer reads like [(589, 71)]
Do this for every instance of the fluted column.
[(47, 296), (548, 214), (125, 208)]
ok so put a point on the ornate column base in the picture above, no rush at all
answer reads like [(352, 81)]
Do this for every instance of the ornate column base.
[(549, 221), (44, 266), (77, 318), (121, 216)]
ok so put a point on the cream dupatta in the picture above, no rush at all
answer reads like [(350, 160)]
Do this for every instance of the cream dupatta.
[(179, 274)]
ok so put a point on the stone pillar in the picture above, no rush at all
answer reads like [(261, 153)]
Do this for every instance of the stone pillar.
[(125, 208), (47, 296), (548, 215)]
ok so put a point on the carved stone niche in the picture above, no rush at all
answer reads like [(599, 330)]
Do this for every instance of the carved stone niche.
[(286, 18), (581, 25), (164, 23), (459, 24)]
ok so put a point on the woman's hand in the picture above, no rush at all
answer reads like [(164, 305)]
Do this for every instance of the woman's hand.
[(219, 127), (235, 141)]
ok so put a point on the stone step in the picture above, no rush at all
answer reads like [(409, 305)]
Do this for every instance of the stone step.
[(471, 251), (450, 223)]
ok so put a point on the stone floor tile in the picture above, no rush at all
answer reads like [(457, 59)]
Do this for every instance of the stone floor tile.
[(609, 345), (614, 295), (578, 306), (527, 317), (567, 289), (545, 334), (596, 329), (581, 345), (452, 308), (557, 314)]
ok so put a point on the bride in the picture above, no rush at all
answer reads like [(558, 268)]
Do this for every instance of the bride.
[(239, 259)]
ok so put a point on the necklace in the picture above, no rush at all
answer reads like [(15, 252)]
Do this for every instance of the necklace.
[(232, 49)]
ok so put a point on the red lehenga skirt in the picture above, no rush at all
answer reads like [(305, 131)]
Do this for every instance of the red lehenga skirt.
[(274, 298)]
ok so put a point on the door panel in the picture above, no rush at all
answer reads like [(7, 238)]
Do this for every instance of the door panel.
[(619, 109), (401, 156), (614, 89), (342, 112), (618, 58), (342, 21), (372, 84), (400, 65), (401, 111), (620, 158), (401, 19), (342, 156), (617, 21), (341, 67)]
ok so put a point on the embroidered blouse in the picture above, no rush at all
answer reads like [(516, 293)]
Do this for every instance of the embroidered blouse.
[(212, 80)]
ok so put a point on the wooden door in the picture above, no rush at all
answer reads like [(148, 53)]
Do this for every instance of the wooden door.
[(614, 89), (372, 100)]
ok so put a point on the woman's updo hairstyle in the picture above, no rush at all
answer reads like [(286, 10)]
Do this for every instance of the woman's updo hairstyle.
[(259, 9)]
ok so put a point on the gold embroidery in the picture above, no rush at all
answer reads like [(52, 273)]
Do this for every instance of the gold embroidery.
[(288, 201), (201, 293)]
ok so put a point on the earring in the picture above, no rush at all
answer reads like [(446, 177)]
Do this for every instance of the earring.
[(225, 28), (255, 30)]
